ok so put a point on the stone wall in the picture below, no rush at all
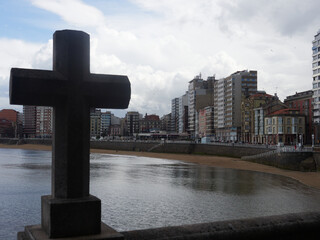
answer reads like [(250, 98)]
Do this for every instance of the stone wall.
[(284, 227), (13, 141), (316, 157), (299, 161), (186, 148)]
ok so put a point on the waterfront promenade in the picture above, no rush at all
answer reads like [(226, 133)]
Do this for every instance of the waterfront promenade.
[(311, 179)]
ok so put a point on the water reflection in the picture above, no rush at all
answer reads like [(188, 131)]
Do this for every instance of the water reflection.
[(141, 192)]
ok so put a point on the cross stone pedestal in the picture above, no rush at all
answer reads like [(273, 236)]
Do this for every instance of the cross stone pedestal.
[(81, 216), (36, 232), (70, 211)]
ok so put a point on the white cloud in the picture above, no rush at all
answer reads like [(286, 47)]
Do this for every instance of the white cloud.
[(74, 12), (162, 50), (15, 53)]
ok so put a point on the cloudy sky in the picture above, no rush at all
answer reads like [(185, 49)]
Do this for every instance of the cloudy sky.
[(163, 44)]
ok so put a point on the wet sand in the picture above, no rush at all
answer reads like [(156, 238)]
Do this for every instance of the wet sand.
[(311, 179)]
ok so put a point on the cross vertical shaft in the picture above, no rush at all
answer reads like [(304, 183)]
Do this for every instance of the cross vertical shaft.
[(70, 172), (71, 90)]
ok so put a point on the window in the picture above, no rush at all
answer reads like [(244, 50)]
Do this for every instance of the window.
[(288, 120), (288, 130), (294, 130), (280, 129), (279, 120)]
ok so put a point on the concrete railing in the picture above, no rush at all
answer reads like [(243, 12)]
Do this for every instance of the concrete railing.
[(284, 227)]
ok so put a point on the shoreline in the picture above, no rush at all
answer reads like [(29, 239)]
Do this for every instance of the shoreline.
[(311, 179)]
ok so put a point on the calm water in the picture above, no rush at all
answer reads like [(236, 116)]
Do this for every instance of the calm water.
[(141, 192)]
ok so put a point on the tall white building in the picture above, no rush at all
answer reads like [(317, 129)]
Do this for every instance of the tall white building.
[(228, 94), (44, 122), (194, 85), (174, 115), (316, 83), (183, 113), (200, 95), (105, 123)]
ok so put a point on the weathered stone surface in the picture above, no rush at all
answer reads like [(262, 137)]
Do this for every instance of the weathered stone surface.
[(36, 233), (298, 161), (284, 227), (70, 217), (71, 90)]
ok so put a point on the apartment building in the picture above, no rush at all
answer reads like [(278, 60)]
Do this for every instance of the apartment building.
[(44, 122), (174, 115), (150, 123), (200, 95), (183, 113), (286, 126), (316, 85), (206, 122), (11, 123), (252, 115), (95, 122), (29, 121), (303, 102), (37, 121), (132, 123), (105, 123), (228, 94), (165, 123)]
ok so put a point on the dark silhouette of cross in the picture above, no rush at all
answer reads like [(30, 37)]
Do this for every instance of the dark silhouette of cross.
[(71, 90)]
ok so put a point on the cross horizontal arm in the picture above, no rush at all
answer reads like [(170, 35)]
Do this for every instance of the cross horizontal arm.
[(108, 91), (36, 87)]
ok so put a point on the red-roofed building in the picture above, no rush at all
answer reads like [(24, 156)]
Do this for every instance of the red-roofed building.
[(150, 123), (286, 126), (11, 125), (303, 102)]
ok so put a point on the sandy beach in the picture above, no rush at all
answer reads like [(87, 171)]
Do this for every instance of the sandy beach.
[(311, 179)]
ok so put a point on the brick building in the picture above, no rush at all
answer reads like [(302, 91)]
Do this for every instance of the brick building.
[(150, 123), (303, 102), (11, 124)]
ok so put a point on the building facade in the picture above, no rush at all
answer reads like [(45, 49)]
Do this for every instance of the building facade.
[(105, 123), (183, 113), (14, 129), (200, 95), (316, 85), (206, 122), (174, 115), (285, 126), (165, 123), (95, 123), (303, 102), (150, 123), (228, 94), (44, 122), (132, 123), (29, 121), (252, 115)]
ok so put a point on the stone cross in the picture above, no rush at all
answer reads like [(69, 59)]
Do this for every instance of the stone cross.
[(71, 90)]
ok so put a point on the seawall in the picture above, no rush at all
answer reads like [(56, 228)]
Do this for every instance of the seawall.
[(227, 150), (297, 161)]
